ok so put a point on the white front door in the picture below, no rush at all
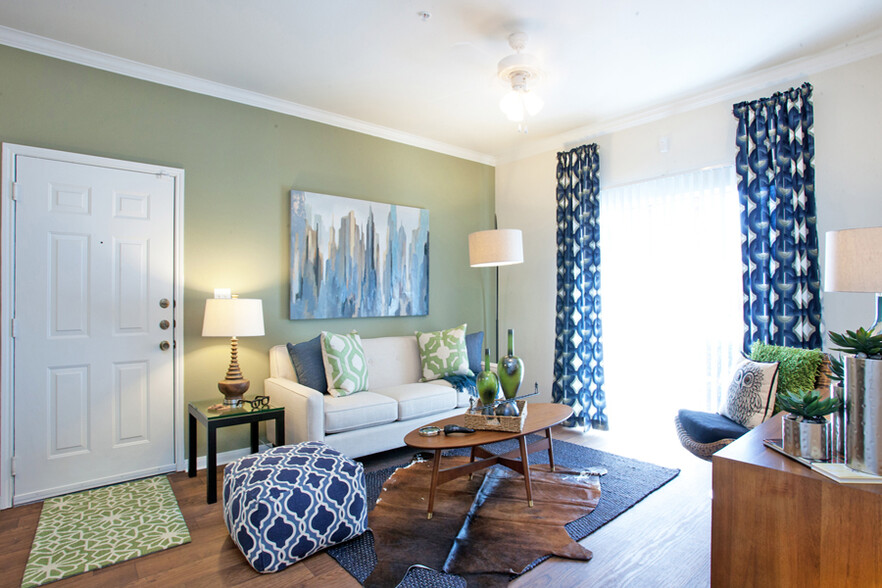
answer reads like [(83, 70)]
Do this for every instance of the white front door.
[(94, 396)]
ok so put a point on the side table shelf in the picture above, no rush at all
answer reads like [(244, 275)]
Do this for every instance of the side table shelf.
[(213, 420)]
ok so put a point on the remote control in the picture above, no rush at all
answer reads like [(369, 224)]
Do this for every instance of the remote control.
[(448, 429)]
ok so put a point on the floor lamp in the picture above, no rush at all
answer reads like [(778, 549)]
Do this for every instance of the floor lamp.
[(495, 248)]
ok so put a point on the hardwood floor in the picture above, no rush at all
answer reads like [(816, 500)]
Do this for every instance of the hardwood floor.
[(663, 541)]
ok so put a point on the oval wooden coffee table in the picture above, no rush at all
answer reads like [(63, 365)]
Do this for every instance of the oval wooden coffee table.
[(540, 417)]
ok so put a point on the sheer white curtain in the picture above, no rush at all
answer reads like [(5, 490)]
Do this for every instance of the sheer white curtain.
[(672, 294)]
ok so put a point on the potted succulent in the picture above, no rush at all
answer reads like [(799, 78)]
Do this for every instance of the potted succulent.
[(863, 398), (862, 375), (814, 433)]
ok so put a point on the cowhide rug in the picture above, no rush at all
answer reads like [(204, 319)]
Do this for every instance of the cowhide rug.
[(482, 528)]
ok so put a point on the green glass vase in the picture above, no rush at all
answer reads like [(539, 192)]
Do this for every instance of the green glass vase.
[(487, 384), (511, 370)]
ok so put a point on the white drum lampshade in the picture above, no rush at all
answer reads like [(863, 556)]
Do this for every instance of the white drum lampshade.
[(496, 247), (853, 263), (853, 260), (234, 318)]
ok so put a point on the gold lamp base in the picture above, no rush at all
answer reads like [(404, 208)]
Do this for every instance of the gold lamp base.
[(234, 386), (233, 390)]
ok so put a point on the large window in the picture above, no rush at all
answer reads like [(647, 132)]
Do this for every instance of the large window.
[(672, 294)]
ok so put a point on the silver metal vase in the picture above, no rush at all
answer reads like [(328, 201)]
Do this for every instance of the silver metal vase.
[(814, 439), (863, 414), (837, 422), (790, 434)]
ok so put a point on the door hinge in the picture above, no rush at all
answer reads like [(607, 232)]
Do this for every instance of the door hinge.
[(15, 190), (14, 328), (13, 466)]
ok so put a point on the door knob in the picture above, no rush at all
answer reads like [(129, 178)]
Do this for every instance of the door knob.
[(164, 324), (164, 345), (163, 303)]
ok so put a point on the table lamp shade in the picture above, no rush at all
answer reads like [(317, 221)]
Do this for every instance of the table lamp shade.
[(853, 260), (233, 317), (496, 247)]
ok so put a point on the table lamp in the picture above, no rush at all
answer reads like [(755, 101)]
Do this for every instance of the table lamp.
[(233, 317), (495, 248), (853, 262)]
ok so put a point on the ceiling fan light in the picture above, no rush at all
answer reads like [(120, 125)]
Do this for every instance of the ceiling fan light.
[(512, 106), (532, 103)]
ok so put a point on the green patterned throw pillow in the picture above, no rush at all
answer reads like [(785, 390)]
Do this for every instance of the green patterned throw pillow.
[(444, 353), (345, 363), (798, 367)]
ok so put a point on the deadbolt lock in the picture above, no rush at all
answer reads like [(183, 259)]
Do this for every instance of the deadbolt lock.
[(164, 345), (163, 303), (164, 324)]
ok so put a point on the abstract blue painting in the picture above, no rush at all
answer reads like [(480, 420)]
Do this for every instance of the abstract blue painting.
[(354, 258)]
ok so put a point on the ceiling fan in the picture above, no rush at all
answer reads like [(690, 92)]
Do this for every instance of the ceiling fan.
[(522, 72)]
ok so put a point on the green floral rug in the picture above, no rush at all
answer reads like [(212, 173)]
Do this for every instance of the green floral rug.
[(96, 528)]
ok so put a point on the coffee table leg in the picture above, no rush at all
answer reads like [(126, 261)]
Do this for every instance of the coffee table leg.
[(436, 465), (525, 461), (550, 448), (472, 459)]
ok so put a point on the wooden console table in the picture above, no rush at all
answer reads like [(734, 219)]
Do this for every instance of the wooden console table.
[(777, 523)]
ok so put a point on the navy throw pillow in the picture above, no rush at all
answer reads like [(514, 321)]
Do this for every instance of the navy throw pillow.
[(709, 427), (308, 364), (475, 349)]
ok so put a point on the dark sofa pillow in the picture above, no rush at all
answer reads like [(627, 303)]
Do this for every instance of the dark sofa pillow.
[(708, 427), (475, 349), (308, 364)]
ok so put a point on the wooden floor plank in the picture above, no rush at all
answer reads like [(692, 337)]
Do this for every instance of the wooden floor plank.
[(663, 541)]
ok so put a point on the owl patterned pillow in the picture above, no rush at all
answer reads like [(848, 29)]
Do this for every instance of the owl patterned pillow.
[(750, 399)]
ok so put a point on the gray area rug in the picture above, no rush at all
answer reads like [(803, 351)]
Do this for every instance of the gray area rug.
[(628, 482)]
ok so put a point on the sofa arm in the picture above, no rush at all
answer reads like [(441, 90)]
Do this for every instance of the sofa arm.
[(304, 409)]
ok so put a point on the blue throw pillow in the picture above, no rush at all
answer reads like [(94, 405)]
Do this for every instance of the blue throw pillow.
[(708, 427), (475, 348), (308, 364)]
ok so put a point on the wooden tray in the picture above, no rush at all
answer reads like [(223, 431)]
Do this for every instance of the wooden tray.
[(509, 424)]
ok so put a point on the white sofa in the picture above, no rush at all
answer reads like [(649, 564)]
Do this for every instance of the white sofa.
[(365, 422)]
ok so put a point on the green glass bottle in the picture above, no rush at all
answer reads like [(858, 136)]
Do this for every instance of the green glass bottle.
[(488, 384), (511, 370)]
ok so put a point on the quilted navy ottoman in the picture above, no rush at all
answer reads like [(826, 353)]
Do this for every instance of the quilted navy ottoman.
[(285, 504)]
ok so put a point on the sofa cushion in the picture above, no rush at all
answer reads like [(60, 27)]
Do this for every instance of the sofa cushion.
[(309, 364), (709, 427), (475, 349), (345, 364), (392, 360), (357, 411), (421, 399), (443, 353), (750, 399)]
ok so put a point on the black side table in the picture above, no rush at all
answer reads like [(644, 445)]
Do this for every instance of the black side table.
[(227, 417)]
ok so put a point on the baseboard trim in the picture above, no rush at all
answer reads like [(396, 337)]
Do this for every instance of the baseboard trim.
[(228, 456)]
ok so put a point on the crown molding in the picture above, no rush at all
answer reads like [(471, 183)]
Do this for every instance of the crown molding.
[(862, 47), (133, 69)]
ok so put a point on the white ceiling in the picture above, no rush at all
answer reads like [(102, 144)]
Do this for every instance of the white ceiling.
[(375, 65)]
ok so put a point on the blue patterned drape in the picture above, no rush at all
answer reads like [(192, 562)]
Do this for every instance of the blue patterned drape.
[(578, 349), (779, 251)]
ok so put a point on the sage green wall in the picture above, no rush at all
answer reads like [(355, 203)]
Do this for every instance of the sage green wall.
[(240, 163)]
